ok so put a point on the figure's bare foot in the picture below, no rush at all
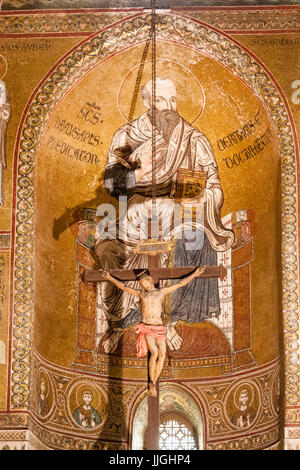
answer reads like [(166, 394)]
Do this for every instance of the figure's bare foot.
[(111, 342), (152, 390), (173, 339)]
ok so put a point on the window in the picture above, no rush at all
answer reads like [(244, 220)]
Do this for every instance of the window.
[(176, 433)]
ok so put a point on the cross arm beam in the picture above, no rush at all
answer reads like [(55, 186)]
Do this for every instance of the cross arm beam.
[(90, 275)]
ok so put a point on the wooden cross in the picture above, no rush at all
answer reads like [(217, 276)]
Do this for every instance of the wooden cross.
[(151, 441), (156, 272)]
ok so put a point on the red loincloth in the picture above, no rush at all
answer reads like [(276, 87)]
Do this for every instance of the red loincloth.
[(156, 331)]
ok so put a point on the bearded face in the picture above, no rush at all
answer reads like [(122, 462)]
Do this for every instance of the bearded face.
[(165, 120), (162, 109)]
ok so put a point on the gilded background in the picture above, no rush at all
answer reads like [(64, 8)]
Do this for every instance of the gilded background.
[(43, 187)]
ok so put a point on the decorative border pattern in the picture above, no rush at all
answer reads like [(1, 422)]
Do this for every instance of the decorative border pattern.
[(13, 421), (262, 20), (12, 435), (63, 441), (256, 442), (219, 397), (13, 440), (130, 32), (117, 396), (59, 5), (292, 438), (212, 397), (62, 23), (292, 415), (249, 20)]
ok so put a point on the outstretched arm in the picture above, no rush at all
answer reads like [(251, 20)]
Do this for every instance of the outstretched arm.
[(184, 282), (120, 284)]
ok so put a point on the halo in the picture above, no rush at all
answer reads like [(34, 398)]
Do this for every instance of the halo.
[(181, 75), (42, 375), (250, 391), (6, 67), (95, 394)]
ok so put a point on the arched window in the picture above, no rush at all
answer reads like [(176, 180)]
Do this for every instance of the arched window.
[(176, 433), (177, 404)]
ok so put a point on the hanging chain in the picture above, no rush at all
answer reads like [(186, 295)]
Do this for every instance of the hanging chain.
[(153, 113), (139, 78)]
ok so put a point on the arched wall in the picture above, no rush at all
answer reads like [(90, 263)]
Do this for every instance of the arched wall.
[(186, 404), (173, 29)]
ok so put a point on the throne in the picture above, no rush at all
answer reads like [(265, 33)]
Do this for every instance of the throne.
[(224, 341)]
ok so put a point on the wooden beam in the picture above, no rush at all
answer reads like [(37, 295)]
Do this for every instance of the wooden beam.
[(90, 275), (151, 438)]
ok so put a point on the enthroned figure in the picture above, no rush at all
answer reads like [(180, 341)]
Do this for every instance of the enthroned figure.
[(178, 145), (151, 331)]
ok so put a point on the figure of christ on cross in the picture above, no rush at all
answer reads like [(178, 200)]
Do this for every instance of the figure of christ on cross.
[(177, 147), (151, 331)]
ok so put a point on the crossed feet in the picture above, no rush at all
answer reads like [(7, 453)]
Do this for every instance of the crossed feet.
[(173, 339)]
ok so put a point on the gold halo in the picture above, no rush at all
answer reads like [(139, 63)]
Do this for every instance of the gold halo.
[(190, 91), (6, 67), (94, 392), (241, 387), (43, 375)]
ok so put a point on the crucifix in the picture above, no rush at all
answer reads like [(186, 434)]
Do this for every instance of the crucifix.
[(157, 273), (152, 248)]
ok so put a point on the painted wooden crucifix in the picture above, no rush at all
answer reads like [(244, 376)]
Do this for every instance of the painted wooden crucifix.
[(151, 331)]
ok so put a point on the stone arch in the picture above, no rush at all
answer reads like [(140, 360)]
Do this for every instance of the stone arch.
[(184, 404)]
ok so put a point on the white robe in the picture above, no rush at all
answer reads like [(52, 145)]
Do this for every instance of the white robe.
[(189, 149)]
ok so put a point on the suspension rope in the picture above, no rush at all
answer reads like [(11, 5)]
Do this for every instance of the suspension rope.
[(153, 113), (139, 78)]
